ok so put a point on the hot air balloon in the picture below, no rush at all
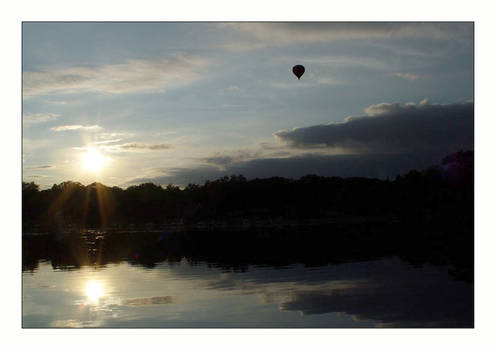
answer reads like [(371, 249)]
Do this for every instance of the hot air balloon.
[(298, 70)]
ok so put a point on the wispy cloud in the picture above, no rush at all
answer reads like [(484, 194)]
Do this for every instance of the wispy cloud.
[(77, 127), (260, 35), (57, 102), (39, 167), (35, 176), (408, 76), (234, 88), (32, 146), (314, 80), (104, 136), (130, 76), (222, 159), (144, 146), (135, 147), (340, 61), (36, 118), (105, 142)]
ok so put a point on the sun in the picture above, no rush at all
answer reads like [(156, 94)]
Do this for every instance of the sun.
[(93, 160)]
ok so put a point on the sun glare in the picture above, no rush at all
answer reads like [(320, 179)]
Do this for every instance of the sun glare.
[(93, 160), (94, 291)]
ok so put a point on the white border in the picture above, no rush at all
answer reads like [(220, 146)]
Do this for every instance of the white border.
[(124, 10)]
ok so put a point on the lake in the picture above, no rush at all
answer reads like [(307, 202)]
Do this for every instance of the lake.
[(86, 283)]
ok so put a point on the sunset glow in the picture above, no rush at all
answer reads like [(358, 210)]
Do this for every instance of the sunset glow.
[(270, 174), (158, 101), (93, 160)]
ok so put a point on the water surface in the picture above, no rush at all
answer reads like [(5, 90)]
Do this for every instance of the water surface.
[(181, 292)]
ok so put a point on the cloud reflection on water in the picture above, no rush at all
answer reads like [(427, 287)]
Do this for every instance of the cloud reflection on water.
[(148, 301), (387, 292), (377, 293)]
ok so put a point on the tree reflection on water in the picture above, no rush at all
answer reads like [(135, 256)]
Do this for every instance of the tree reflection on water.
[(371, 272)]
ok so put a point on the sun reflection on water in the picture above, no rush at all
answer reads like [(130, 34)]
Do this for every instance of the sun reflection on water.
[(94, 291)]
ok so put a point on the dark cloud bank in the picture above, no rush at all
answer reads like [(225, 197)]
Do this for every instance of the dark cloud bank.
[(390, 139), (431, 130)]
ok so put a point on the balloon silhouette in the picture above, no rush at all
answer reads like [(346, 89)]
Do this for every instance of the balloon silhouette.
[(298, 70)]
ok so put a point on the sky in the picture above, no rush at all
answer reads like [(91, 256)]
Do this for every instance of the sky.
[(179, 103)]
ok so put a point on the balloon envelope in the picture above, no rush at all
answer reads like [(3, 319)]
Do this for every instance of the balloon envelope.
[(298, 70)]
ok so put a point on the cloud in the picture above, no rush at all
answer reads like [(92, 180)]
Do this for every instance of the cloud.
[(383, 108), (144, 146), (112, 135), (343, 61), (57, 102), (106, 146), (127, 77), (77, 127), (84, 148), (219, 160), (31, 146), (320, 80), (37, 118), (390, 139), (426, 101), (35, 176), (223, 159), (408, 76), (234, 88), (105, 142), (259, 35), (39, 167), (333, 69), (391, 128), (373, 166)]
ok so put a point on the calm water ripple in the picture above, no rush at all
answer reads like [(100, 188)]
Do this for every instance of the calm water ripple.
[(378, 293)]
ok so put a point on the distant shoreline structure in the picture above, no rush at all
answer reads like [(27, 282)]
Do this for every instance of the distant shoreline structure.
[(277, 223)]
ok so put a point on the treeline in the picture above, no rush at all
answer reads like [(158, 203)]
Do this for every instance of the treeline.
[(441, 194)]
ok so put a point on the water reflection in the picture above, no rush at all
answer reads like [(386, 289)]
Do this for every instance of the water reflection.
[(94, 291), (148, 301), (64, 288)]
